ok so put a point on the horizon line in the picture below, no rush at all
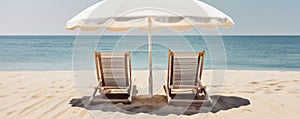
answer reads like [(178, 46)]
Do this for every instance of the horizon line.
[(152, 35)]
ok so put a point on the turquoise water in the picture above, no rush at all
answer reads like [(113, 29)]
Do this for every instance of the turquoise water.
[(35, 53)]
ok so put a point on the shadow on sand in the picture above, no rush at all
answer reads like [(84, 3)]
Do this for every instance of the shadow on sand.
[(158, 105)]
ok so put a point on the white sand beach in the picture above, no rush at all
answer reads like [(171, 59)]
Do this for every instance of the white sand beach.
[(47, 94)]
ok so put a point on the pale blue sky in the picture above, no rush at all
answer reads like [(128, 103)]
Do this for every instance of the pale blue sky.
[(48, 17)]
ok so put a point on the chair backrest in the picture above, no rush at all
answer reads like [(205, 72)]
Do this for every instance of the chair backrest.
[(113, 69), (185, 68)]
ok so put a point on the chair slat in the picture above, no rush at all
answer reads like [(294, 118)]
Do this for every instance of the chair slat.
[(185, 66), (114, 76), (185, 63), (113, 65), (185, 78), (184, 72), (190, 77), (190, 83), (111, 61), (186, 54), (113, 71), (115, 82), (185, 60), (112, 54)]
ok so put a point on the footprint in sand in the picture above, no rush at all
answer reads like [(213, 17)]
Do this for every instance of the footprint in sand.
[(35, 96), (270, 80), (13, 76), (9, 113), (280, 87), (254, 82), (2, 96), (269, 92), (260, 89), (273, 84), (50, 97), (294, 92), (277, 89), (247, 110)]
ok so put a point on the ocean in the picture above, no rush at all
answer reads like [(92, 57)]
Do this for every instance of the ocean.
[(48, 53)]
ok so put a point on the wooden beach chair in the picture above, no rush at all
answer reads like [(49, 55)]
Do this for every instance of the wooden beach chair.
[(184, 84), (113, 72)]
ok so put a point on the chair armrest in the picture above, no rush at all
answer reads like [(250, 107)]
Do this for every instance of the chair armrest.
[(186, 87), (112, 87)]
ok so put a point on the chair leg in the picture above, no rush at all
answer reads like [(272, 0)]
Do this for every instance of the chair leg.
[(168, 93), (131, 89), (197, 91), (93, 96), (207, 96), (130, 92)]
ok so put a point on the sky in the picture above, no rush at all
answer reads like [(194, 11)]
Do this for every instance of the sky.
[(48, 17)]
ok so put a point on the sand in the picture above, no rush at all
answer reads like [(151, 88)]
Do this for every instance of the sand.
[(48, 94)]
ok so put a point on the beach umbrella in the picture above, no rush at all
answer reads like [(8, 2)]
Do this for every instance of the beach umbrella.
[(149, 16)]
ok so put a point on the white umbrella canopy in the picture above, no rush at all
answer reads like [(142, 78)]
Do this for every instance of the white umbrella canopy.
[(122, 15), (149, 15)]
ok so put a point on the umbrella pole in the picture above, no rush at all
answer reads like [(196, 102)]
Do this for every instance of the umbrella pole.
[(150, 57)]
